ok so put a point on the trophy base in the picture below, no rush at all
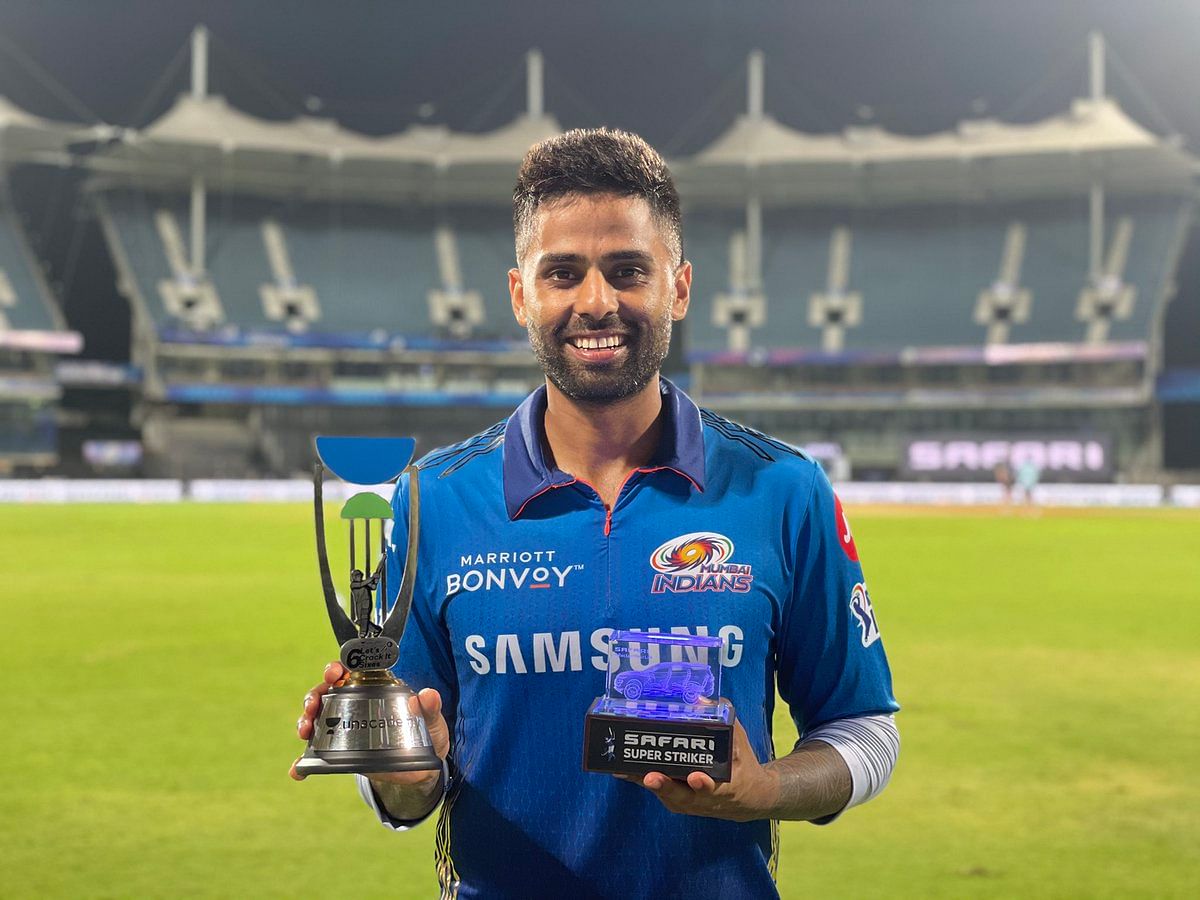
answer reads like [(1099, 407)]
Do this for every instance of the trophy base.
[(350, 762), (651, 737), (366, 726)]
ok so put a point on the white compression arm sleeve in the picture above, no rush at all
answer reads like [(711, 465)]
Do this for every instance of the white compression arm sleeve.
[(869, 745)]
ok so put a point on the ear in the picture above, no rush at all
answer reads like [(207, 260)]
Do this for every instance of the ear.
[(683, 291), (516, 292)]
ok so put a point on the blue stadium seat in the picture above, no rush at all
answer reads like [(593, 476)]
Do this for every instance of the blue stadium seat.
[(486, 253), (919, 269)]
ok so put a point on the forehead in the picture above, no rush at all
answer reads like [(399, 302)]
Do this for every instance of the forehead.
[(593, 224)]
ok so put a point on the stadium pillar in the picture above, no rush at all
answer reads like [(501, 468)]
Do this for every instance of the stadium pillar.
[(199, 92), (1096, 64), (754, 110), (754, 84), (534, 94), (198, 225), (1096, 236), (199, 62), (1096, 204), (753, 250)]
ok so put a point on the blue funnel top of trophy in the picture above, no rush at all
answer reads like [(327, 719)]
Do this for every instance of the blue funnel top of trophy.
[(365, 460)]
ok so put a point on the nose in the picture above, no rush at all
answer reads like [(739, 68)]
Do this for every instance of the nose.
[(596, 297)]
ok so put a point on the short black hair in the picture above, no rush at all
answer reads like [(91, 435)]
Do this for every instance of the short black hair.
[(593, 161)]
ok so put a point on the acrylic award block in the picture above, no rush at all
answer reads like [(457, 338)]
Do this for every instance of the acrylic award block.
[(662, 709)]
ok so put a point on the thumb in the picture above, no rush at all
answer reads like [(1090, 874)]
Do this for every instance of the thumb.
[(429, 702)]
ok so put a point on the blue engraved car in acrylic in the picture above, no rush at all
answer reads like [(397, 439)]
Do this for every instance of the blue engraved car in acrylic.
[(677, 680)]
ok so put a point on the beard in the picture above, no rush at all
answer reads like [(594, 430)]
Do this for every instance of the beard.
[(646, 346)]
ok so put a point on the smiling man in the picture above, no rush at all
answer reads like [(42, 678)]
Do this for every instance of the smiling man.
[(539, 538)]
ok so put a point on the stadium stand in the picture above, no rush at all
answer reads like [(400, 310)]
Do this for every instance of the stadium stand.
[(920, 270), (32, 336), (854, 288), (368, 267), (25, 304)]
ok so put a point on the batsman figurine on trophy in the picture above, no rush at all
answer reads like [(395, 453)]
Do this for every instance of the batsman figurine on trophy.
[(365, 723)]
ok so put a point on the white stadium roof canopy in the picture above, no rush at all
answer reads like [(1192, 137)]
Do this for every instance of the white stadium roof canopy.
[(1089, 126), (1094, 140), (23, 134)]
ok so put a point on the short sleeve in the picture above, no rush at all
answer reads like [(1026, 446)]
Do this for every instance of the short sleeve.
[(831, 663)]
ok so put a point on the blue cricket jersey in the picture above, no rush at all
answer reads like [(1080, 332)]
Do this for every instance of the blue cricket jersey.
[(522, 576)]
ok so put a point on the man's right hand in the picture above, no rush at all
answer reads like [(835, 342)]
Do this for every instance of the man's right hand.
[(428, 703)]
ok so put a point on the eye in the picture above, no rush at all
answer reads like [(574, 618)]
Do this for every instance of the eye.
[(560, 275), (626, 272)]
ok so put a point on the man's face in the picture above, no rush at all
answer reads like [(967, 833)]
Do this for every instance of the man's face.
[(598, 290)]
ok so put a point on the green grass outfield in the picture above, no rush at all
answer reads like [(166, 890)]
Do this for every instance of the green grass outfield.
[(155, 658)]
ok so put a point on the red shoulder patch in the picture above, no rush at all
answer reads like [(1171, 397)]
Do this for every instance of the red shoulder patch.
[(845, 537)]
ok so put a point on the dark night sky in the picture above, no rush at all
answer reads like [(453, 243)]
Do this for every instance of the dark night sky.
[(672, 70)]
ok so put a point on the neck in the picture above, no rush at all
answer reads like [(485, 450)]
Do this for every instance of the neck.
[(602, 443)]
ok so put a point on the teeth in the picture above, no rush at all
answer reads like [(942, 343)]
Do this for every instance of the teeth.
[(604, 343)]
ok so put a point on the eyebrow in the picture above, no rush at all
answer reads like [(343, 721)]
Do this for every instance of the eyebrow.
[(638, 256)]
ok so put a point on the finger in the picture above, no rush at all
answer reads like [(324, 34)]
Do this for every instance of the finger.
[(739, 730), (427, 703), (431, 704), (739, 734), (742, 748), (295, 776), (312, 700), (701, 783), (671, 793), (334, 672), (311, 705), (653, 780)]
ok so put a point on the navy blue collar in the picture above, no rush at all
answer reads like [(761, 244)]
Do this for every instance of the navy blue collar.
[(526, 473)]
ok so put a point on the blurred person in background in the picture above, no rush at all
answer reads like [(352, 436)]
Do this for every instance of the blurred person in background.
[(1029, 473)]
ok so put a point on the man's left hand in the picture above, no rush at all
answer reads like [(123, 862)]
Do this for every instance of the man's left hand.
[(751, 792)]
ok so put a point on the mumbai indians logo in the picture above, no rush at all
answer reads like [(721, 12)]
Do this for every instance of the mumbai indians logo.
[(698, 562)]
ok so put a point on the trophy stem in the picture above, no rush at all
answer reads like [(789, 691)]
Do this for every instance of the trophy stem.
[(381, 594), (369, 677), (393, 625), (343, 628)]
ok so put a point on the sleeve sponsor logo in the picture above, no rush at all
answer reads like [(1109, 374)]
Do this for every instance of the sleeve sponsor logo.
[(698, 562), (860, 605), (845, 536)]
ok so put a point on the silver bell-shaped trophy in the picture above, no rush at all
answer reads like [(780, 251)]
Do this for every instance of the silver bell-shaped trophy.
[(369, 721)]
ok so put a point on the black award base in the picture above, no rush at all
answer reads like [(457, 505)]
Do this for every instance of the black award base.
[(635, 738)]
